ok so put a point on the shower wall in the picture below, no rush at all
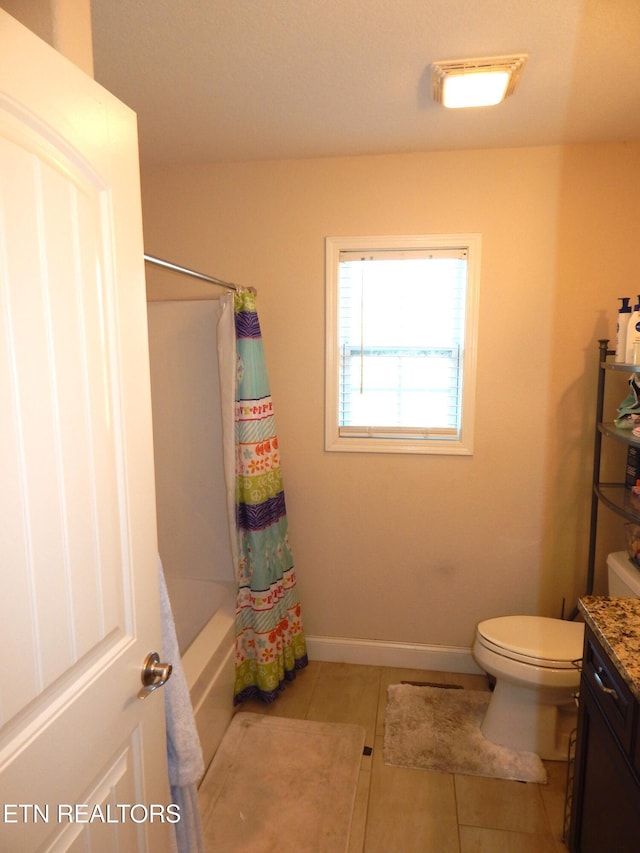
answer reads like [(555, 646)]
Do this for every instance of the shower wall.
[(193, 529)]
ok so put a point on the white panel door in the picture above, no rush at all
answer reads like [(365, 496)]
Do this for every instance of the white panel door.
[(82, 759)]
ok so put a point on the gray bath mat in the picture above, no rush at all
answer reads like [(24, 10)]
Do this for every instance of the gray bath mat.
[(429, 728)]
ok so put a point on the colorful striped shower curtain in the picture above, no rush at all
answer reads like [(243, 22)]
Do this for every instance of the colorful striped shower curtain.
[(270, 644)]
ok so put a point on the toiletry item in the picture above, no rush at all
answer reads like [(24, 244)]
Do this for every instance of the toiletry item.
[(624, 312), (632, 473), (633, 334)]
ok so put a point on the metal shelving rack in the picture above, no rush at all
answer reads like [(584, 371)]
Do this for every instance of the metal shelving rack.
[(616, 496)]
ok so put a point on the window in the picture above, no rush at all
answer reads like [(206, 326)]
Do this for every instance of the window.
[(401, 343)]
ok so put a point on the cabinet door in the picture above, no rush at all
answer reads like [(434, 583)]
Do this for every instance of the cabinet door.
[(606, 795)]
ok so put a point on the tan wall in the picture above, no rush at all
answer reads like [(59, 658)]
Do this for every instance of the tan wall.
[(64, 24), (415, 548)]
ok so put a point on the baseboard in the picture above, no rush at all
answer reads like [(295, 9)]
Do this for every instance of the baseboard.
[(382, 653)]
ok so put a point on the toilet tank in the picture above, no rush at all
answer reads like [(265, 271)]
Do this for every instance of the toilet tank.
[(623, 576)]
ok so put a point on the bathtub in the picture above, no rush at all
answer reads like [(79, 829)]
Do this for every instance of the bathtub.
[(204, 614)]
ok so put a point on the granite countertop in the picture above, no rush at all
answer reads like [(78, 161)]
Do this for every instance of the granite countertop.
[(616, 624)]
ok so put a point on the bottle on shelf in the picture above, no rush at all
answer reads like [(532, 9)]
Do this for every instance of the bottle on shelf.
[(633, 335), (624, 313)]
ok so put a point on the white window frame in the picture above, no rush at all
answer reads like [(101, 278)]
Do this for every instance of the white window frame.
[(431, 442)]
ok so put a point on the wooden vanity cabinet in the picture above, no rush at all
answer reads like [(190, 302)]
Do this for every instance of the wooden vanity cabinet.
[(605, 814)]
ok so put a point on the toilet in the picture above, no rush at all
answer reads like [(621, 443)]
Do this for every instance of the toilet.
[(534, 660)]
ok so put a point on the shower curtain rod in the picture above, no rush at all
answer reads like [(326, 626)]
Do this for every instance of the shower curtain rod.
[(193, 273)]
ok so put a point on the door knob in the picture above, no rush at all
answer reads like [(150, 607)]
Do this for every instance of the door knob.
[(154, 674)]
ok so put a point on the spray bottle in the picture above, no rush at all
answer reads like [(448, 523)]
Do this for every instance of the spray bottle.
[(633, 334), (624, 313)]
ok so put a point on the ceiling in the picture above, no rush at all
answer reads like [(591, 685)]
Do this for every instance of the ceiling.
[(220, 80)]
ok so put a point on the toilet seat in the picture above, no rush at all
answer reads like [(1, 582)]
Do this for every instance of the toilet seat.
[(535, 640)]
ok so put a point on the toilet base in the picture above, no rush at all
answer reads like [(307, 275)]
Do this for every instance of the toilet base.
[(526, 720)]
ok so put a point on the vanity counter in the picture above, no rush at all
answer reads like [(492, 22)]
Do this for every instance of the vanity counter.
[(615, 623), (605, 801)]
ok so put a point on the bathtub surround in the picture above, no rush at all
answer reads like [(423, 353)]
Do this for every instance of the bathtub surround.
[(431, 728), (188, 349), (191, 499), (193, 604), (282, 784), (270, 644)]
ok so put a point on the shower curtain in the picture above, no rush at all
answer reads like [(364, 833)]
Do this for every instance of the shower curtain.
[(270, 643)]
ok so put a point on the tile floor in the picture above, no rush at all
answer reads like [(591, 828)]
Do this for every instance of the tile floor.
[(416, 810)]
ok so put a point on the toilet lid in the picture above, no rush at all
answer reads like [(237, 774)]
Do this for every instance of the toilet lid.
[(552, 642)]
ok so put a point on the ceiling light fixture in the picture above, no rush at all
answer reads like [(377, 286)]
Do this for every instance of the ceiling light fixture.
[(476, 82)]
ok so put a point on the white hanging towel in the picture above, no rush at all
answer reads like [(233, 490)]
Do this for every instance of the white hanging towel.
[(184, 752)]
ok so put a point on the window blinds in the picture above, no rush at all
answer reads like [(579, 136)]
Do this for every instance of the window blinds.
[(401, 338)]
